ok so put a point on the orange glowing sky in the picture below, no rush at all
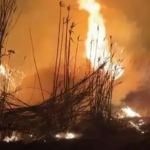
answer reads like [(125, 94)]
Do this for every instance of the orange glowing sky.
[(126, 21)]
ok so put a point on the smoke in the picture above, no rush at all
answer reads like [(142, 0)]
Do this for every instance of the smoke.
[(127, 21), (139, 99), (31, 90)]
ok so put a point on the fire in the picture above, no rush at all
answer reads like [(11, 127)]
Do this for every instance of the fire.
[(130, 113), (7, 78), (13, 138), (99, 52), (2, 70), (97, 49)]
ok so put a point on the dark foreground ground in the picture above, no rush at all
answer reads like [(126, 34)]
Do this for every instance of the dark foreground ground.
[(88, 144)]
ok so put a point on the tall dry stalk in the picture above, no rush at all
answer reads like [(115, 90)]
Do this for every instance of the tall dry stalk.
[(60, 55), (76, 56), (61, 4), (36, 65), (66, 48)]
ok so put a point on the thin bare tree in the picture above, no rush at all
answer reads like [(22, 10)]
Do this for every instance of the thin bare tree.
[(7, 10)]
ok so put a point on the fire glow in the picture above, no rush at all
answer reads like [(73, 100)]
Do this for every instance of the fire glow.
[(97, 49), (7, 80), (2, 70), (130, 113)]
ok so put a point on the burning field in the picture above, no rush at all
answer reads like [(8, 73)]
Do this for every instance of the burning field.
[(78, 99)]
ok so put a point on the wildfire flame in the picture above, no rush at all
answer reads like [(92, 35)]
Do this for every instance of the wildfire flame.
[(96, 47), (2, 70), (130, 113), (7, 78)]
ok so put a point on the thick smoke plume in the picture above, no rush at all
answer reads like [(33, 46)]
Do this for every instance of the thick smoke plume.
[(127, 21), (139, 100)]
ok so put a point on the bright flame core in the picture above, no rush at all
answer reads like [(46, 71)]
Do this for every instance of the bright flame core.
[(130, 113), (7, 78), (96, 45), (2, 70)]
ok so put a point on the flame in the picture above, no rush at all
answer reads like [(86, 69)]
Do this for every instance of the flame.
[(13, 138), (130, 113), (96, 47), (7, 78), (2, 70)]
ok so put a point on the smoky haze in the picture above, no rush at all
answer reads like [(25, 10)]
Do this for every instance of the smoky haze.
[(127, 21)]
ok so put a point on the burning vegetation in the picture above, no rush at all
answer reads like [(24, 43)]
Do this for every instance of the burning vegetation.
[(72, 103)]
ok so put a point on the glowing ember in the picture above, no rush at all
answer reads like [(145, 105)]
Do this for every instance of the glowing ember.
[(68, 135), (96, 47)]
